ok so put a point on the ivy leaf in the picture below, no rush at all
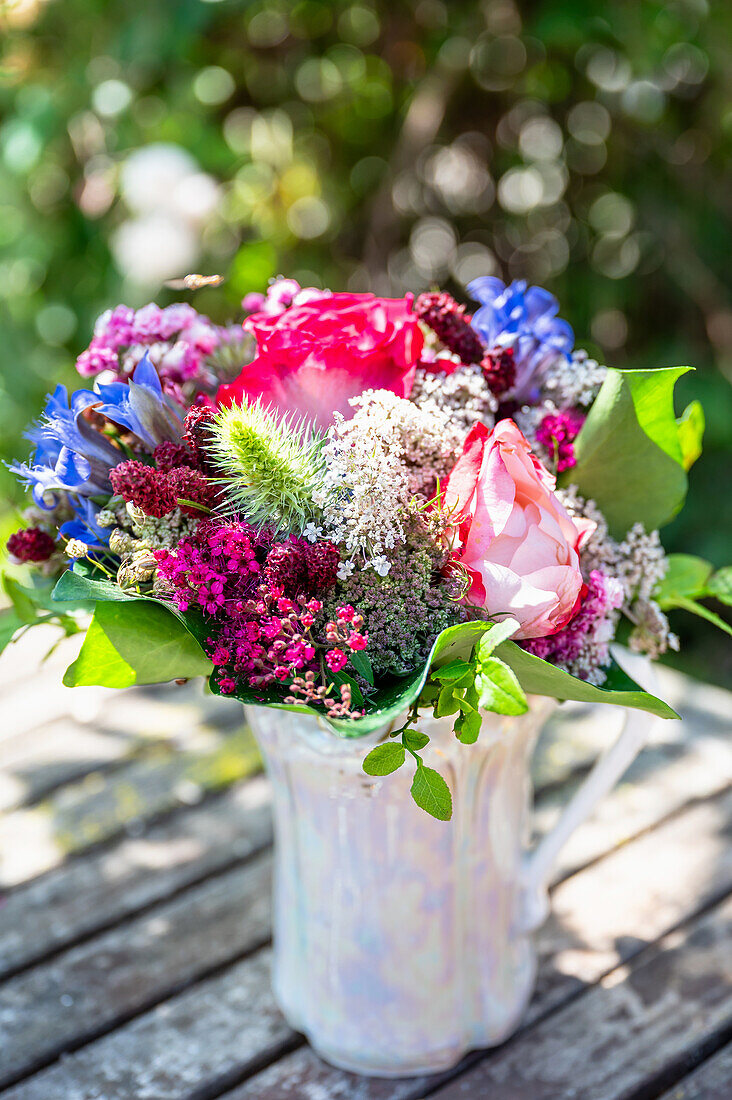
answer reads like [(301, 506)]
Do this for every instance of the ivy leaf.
[(720, 585), (362, 665), (136, 642), (629, 456), (431, 793), (415, 740), (686, 576), (384, 759), (499, 688), (691, 432)]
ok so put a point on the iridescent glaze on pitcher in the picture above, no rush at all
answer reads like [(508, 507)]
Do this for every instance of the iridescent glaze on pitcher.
[(402, 942)]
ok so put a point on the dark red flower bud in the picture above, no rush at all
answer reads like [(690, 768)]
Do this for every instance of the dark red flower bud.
[(31, 545), (450, 323)]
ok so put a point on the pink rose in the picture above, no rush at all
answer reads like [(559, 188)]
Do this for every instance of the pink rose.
[(313, 357), (515, 539)]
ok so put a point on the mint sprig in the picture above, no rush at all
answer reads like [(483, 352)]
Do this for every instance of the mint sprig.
[(463, 688)]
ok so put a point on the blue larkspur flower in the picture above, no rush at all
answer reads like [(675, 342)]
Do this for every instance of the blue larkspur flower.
[(139, 406), (73, 458), (523, 318), (84, 525)]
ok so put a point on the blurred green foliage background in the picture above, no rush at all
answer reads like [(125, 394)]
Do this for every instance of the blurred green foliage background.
[(389, 145)]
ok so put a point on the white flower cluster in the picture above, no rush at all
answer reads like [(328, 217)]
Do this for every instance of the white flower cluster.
[(380, 466), (574, 382), (461, 398), (639, 564)]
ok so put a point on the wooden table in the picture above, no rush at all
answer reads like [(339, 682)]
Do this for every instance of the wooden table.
[(134, 933)]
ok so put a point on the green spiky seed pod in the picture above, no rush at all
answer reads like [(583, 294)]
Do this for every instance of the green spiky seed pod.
[(269, 466)]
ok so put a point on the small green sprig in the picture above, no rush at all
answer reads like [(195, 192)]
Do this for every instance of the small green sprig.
[(270, 466), (429, 790), (463, 688)]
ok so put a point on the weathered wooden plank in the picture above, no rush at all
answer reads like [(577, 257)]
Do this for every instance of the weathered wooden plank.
[(91, 988), (636, 1026), (35, 839), (37, 761), (641, 900), (712, 1080), (61, 751), (685, 762), (115, 882), (189, 1048)]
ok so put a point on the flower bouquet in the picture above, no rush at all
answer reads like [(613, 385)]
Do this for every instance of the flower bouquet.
[(350, 513)]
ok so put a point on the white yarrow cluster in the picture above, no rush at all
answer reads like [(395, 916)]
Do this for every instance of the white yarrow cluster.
[(389, 455), (573, 382), (639, 564), (461, 399)]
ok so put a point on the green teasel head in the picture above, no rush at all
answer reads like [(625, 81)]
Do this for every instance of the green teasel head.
[(269, 466)]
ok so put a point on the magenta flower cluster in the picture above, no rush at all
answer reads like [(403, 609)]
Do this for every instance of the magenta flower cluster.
[(582, 645), (275, 638), (217, 568), (557, 432), (268, 630), (177, 338)]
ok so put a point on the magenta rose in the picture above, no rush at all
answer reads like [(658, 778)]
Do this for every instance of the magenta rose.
[(513, 536), (313, 357)]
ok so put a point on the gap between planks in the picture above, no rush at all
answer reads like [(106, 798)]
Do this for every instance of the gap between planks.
[(646, 887)]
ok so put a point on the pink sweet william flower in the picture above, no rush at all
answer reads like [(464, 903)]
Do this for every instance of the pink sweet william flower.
[(316, 355), (515, 539)]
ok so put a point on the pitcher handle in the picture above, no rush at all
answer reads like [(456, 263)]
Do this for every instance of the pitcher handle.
[(608, 769)]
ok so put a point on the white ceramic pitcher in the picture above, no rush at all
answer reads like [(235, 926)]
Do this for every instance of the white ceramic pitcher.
[(402, 942)]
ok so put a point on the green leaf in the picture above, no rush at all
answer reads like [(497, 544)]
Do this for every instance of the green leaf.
[(431, 793), (538, 677), (384, 759), (340, 678), (415, 740), (82, 584), (25, 608), (686, 576), (467, 725), (691, 432), (362, 665), (703, 613), (390, 703), (10, 624), (496, 633), (452, 672), (629, 457), (447, 702), (136, 642), (720, 585), (499, 689)]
